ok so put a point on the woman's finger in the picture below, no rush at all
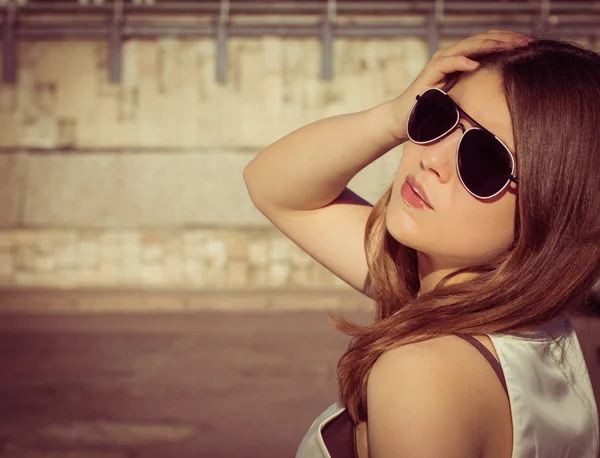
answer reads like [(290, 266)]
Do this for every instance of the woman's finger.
[(503, 35), (488, 40), (450, 60), (474, 45), (436, 70)]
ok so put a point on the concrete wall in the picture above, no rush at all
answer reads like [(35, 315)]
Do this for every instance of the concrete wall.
[(140, 184)]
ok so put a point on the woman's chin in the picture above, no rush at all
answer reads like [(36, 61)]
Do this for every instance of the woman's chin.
[(403, 238), (402, 230)]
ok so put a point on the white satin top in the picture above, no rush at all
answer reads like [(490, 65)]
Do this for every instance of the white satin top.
[(553, 410)]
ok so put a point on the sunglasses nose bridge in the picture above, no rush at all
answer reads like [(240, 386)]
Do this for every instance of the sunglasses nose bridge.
[(459, 125), (441, 138)]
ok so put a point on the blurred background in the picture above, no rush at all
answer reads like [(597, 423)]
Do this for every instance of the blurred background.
[(147, 309)]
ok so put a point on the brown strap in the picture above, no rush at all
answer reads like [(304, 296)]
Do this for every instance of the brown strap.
[(339, 438), (488, 355), (338, 434)]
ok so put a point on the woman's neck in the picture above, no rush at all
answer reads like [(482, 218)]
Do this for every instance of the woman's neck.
[(433, 270)]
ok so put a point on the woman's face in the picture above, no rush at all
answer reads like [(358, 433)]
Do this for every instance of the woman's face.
[(459, 230)]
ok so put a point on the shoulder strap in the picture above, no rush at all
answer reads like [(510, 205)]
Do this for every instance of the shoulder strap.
[(488, 355)]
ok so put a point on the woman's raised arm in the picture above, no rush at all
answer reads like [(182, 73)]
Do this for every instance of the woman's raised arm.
[(299, 182)]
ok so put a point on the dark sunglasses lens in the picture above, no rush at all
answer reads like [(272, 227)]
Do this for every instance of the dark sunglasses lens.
[(433, 115), (484, 163)]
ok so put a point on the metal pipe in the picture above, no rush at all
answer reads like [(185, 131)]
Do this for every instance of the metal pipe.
[(382, 32), (311, 7), (295, 7), (435, 24), (151, 32), (66, 30)]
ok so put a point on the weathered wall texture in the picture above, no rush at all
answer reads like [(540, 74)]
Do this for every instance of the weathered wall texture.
[(194, 258), (140, 184), (169, 97)]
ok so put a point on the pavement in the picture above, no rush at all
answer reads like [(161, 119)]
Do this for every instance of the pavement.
[(183, 384), (133, 385)]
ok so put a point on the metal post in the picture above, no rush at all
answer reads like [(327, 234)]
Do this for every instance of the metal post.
[(106, 21), (439, 11), (115, 43), (9, 46), (327, 40), (434, 22), (542, 20), (221, 52)]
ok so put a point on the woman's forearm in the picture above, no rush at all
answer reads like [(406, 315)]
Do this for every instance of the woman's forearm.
[(310, 167)]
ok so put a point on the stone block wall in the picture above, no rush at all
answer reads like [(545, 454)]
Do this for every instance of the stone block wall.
[(172, 258), (140, 184), (169, 98)]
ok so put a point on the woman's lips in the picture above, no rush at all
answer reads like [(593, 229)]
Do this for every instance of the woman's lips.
[(418, 189), (412, 198)]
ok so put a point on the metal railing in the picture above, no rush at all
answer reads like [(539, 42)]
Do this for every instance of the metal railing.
[(118, 20)]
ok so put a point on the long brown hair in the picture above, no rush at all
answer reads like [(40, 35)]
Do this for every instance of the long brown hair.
[(553, 92)]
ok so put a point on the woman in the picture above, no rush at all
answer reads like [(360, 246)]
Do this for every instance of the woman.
[(485, 243)]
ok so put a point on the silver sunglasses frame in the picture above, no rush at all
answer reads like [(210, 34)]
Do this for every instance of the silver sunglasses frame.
[(459, 110)]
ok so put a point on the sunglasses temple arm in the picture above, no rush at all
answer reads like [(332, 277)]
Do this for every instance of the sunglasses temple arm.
[(513, 179), (466, 115)]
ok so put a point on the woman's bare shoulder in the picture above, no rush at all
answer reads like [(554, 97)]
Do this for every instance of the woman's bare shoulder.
[(433, 392)]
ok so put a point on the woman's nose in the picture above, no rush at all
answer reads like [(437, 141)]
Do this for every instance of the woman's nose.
[(440, 156)]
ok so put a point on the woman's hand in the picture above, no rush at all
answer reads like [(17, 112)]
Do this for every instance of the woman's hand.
[(446, 61)]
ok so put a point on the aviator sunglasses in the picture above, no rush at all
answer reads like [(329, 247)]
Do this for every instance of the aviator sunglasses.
[(485, 165)]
